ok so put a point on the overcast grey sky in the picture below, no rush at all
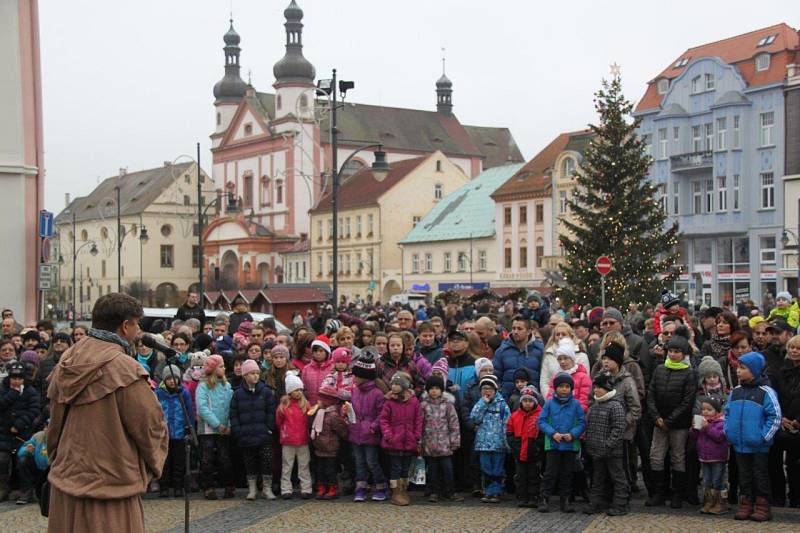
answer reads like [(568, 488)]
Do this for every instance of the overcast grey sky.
[(128, 84)]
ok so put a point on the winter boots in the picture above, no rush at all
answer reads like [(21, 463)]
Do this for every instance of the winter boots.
[(332, 493), (266, 490), (399, 491), (657, 497), (717, 504), (745, 508), (761, 511), (678, 486), (321, 490), (251, 488)]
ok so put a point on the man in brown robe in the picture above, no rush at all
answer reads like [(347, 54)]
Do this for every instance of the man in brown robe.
[(114, 440)]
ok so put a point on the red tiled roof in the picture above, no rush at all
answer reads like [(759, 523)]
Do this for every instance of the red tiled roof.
[(739, 51), (285, 295), (362, 189), (299, 246), (531, 177)]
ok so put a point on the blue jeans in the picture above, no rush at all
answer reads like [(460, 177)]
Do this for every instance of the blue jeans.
[(366, 458), (399, 465), (494, 470), (714, 475)]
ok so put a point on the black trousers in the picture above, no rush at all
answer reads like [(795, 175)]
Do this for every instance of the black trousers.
[(558, 473), (175, 466), (258, 460), (215, 461), (610, 471), (441, 471), (777, 476), (465, 463), (327, 470), (753, 475), (528, 477)]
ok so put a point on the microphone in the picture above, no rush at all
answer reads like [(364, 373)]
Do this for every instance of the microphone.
[(151, 342)]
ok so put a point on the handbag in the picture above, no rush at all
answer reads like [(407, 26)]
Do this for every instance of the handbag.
[(44, 492)]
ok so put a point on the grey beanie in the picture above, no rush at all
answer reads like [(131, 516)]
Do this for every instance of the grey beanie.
[(614, 314), (707, 367), (171, 371)]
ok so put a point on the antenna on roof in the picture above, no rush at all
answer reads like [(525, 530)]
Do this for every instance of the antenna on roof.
[(443, 59), (248, 77)]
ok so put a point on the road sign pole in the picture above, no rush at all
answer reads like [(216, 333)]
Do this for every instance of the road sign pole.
[(603, 291)]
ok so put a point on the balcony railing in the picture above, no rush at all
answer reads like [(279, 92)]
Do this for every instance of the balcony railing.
[(552, 262), (692, 161)]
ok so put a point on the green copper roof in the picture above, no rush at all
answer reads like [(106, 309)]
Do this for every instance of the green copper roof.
[(466, 213)]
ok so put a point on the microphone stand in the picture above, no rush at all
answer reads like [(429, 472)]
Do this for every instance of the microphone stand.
[(189, 439)]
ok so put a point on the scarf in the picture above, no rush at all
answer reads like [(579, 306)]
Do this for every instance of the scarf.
[(607, 396), (571, 370), (319, 420), (108, 336), (733, 362), (672, 365)]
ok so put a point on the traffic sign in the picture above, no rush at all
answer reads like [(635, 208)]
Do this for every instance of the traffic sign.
[(46, 249), (45, 223), (603, 265), (45, 277)]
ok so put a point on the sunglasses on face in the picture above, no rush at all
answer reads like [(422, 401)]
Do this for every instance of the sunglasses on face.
[(608, 322)]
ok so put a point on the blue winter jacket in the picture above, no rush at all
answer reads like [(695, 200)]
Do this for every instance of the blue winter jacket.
[(39, 443), (173, 414), (752, 416), (509, 358), (253, 415), (562, 414), (490, 419), (213, 407)]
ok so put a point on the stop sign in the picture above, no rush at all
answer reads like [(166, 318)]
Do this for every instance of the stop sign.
[(603, 265)]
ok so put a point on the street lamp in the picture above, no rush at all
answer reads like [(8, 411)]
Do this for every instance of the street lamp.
[(231, 207), (143, 238), (92, 250), (380, 167)]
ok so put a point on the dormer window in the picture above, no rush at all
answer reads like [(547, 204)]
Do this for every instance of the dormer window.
[(762, 62), (709, 82), (569, 167), (662, 85), (682, 62), (768, 40)]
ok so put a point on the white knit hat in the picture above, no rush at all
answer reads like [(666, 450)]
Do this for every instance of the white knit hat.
[(565, 347), (482, 363), (293, 383)]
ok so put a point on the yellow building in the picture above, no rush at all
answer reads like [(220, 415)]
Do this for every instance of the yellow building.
[(373, 218), (162, 200)]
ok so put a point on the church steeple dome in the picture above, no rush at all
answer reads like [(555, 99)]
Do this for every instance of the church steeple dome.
[(444, 93), (231, 87), (294, 67)]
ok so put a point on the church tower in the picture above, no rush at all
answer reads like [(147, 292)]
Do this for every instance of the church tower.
[(229, 91), (294, 74), (444, 94)]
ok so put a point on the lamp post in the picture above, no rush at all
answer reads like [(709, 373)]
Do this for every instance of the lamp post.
[(143, 238), (93, 251), (119, 237), (380, 168), (231, 207)]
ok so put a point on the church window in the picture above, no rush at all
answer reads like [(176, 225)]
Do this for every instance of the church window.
[(278, 102), (219, 119), (279, 191), (303, 101)]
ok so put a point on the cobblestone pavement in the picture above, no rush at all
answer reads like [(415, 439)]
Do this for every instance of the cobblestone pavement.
[(344, 515)]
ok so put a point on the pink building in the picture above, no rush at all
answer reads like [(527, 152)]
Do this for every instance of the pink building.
[(21, 162)]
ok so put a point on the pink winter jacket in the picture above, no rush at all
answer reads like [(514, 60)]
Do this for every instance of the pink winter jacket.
[(313, 375), (582, 389)]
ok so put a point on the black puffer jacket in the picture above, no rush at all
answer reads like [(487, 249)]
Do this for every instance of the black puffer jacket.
[(671, 396), (17, 410), (253, 415), (789, 390)]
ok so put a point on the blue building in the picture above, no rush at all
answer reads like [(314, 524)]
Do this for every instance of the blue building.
[(714, 123)]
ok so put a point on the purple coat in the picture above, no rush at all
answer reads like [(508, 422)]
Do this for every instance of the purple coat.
[(401, 423), (367, 403), (712, 445)]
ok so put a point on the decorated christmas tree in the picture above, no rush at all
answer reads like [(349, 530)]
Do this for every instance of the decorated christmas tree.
[(616, 214)]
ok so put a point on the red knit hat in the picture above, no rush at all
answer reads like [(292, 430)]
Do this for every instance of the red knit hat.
[(212, 364), (342, 355)]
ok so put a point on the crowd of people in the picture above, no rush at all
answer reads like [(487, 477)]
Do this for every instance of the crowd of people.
[(551, 403)]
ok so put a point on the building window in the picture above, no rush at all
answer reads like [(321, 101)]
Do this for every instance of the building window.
[(448, 262), (303, 101), (648, 144), (736, 192), (415, 263), (428, 262), (722, 193), (663, 140), (248, 189), (523, 214), (195, 256), (359, 264), (437, 191), (696, 85), (539, 213), (330, 228), (676, 138), (562, 202), (762, 62), (540, 254), (767, 190), (709, 82), (507, 216), (709, 144), (347, 228), (319, 265), (733, 256), (369, 225), (709, 196), (219, 119), (347, 264), (767, 124), (661, 194), (767, 40), (415, 220), (697, 197), (767, 250), (569, 167), (340, 228), (167, 255), (507, 257), (663, 86), (462, 262), (736, 134), (676, 198), (166, 230), (523, 257), (697, 139), (278, 191), (682, 62), (722, 134), (438, 165), (370, 262), (319, 230), (481, 260), (187, 200), (330, 264), (358, 226)]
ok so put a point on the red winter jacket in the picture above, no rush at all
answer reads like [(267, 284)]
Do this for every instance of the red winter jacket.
[(292, 424), (522, 428), (312, 375), (401, 423), (662, 313)]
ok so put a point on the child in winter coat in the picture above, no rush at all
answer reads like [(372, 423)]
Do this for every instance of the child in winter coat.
[(328, 429), (292, 424), (605, 425), (522, 432), (713, 452), (752, 417), (442, 369), (252, 424), (490, 414), (522, 378), (340, 377), (562, 421), (567, 361), (315, 372), (193, 375), (669, 404), (169, 394), (440, 438), (213, 428), (19, 407), (365, 430), (32, 465), (401, 430)]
